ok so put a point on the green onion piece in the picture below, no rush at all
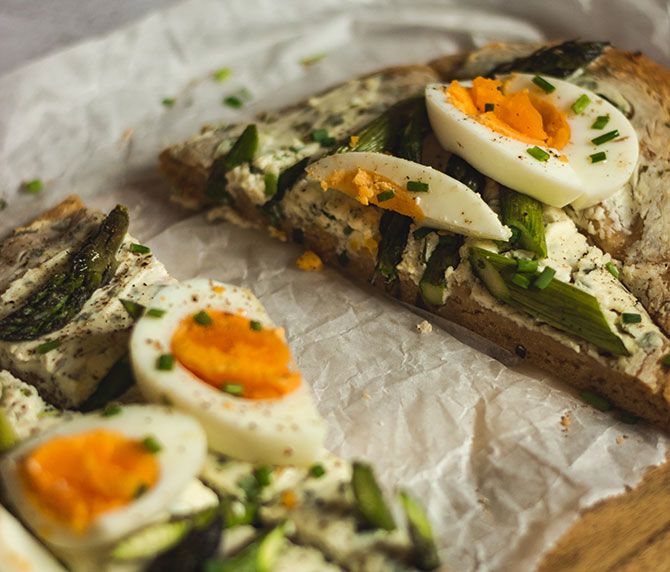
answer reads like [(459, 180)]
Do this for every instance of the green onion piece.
[(612, 269), (321, 136), (140, 490), (233, 388), (417, 187), (595, 400), (152, 444), (538, 153), (263, 475), (165, 362), (48, 346), (525, 265), (631, 318), (581, 104), (423, 232), (133, 308), (140, 249), (600, 121), (317, 471), (489, 107), (521, 280), (665, 360), (545, 277), (385, 196), (370, 499), (598, 157), (168, 101), (605, 137), (255, 325), (155, 312), (34, 186), (544, 84), (270, 181), (222, 74), (111, 410), (311, 60), (233, 101), (202, 318)]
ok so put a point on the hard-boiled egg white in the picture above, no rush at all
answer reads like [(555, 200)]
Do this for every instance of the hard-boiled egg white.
[(493, 124), (211, 350), (89, 481), (427, 195)]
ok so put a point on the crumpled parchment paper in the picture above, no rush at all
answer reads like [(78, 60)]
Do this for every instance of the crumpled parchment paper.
[(481, 443)]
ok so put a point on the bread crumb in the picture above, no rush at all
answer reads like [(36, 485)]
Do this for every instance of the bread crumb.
[(619, 440), (276, 233), (424, 327), (310, 262), (566, 420), (380, 423), (366, 396)]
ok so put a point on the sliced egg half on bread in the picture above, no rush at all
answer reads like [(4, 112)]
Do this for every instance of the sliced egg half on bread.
[(210, 349), (427, 195), (87, 482), (544, 137)]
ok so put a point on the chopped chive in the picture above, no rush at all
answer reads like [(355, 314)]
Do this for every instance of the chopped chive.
[(631, 318), (317, 471), (538, 153), (152, 444), (140, 490), (595, 400), (233, 388), (34, 186), (581, 104), (222, 74), (612, 269), (48, 346), (165, 362), (525, 265), (385, 196), (233, 101), (168, 101), (598, 157), (321, 136), (605, 137), (543, 84), (521, 280), (665, 360), (489, 107), (155, 313), (311, 60), (140, 248), (202, 318), (255, 325), (133, 308), (263, 475), (111, 410), (417, 187), (270, 181), (422, 232), (600, 121), (545, 277)]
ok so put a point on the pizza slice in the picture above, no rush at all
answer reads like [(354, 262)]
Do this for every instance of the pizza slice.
[(555, 252)]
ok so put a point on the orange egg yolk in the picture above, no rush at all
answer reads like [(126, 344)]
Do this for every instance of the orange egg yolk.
[(364, 186), (521, 116), (232, 350), (75, 478)]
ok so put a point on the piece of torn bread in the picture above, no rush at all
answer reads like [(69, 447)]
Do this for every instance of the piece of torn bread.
[(627, 231)]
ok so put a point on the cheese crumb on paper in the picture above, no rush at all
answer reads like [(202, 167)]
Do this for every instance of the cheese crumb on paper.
[(310, 262), (424, 327)]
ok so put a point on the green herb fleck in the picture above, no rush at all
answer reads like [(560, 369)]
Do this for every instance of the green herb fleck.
[(140, 248), (489, 107), (598, 157), (581, 104), (525, 265), (222, 74), (600, 121), (168, 101), (321, 136), (152, 444), (48, 346), (595, 400), (605, 137), (544, 84), (255, 325), (545, 277), (232, 388), (612, 269), (233, 101), (631, 318), (165, 362), (155, 313), (521, 280), (202, 318), (417, 186), (538, 153), (385, 196), (141, 489), (111, 410), (317, 471), (263, 475), (34, 186), (133, 308), (311, 60), (270, 180)]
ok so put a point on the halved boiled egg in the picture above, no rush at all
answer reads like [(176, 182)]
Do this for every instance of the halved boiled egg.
[(211, 349), (95, 478), (427, 195), (541, 136)]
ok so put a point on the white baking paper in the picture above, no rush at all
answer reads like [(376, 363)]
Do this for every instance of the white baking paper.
[(482, 444)]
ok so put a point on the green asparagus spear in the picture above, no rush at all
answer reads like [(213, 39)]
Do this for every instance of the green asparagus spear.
[(369, 497), (433, 283), (394, 229), (523, 214), (242, 151), (558, 304), (424, 549), (117, 380), (259, 556), (65, 293), (462, 171), (287, 178)]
